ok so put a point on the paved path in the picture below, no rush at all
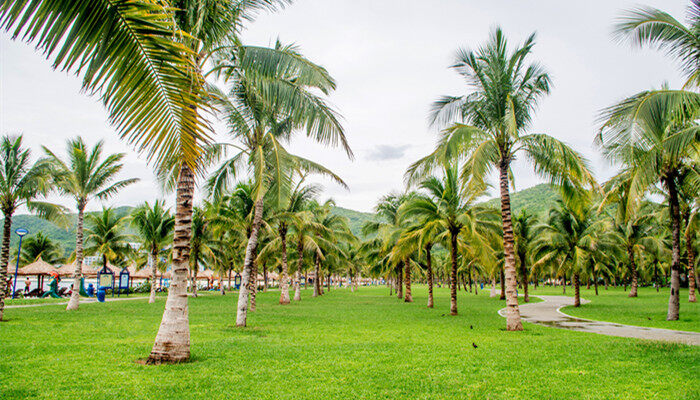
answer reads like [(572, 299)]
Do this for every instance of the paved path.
[(547, 313), (82, 301)]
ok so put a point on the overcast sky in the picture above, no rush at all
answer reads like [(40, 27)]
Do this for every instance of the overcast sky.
[(390, 60)]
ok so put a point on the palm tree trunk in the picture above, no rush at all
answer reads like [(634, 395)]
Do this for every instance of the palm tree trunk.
[(74, 301), (399, 281), (595, 284), (195, 267), (493, 287), (244, 292), (172, 344), (691, 269), (4, 260), (265, 280), (469, 274), (503, 286), (526, 278), (254, 284), (284, 287), (633, 270), (674, 298), (577, 291), (513, 322), (297, 285), (409, 296), (430, 275), (453, 273), (317, 276), (153, 262)]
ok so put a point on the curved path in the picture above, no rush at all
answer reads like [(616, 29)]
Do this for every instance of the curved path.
[(547, 313)]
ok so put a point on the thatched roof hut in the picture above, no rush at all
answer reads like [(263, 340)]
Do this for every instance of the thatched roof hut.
[(38, 267)]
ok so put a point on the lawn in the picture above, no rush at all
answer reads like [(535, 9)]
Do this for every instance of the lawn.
[(341, 346), (648, 309)]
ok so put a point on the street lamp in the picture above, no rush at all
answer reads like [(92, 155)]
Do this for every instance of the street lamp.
[(20, 232)]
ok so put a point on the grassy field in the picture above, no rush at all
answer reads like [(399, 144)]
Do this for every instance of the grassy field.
[(341, 346)]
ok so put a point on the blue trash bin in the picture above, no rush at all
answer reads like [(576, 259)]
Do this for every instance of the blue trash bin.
[(101, 294)]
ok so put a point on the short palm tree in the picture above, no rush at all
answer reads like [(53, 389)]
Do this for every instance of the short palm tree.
[(493, 119), (154, 225), (450, 209), (39, 246), (21, 184), (105, 236), (523, 229), (84, 176)]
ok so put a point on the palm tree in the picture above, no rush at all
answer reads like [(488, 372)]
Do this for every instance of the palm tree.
[(653, 27), (201, 242), (331, 230), (21, 184), (105, 236), (631, 223), (39, 246), (523, 224), (274, 93), (656, 139), (154, 225), (495, 116), (567, 239), (84, 176), (450, 208), (421, 237), (690, 209)]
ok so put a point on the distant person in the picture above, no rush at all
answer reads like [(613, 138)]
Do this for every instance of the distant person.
[(27, 283)]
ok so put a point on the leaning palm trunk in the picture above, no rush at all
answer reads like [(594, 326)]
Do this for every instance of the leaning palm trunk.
[(577, 291), (172, 343), (493, 292), (399, 282), (429, 265), (243, 293), (513, 322), (153, 262), (674, 298), (635, 273), (691, 269), (74, 301), (409, 296), (503, 286), (4, 259), (284, 286), (254, 286), (453, 274)]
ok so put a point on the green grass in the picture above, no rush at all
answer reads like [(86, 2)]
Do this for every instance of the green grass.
[(648, 309), (343, 345)]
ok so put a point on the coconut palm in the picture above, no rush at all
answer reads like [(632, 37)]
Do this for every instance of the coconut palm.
[(105, 235), (154, 225), (523, 224), (21, 184), (201, 243), (450, 207), (495, 115), (567, 239), (38, 245), (656, 139), (84, 175), (656, 28), (421, 237), (274, 93), (632, 223), (304, 236), (331, 230)]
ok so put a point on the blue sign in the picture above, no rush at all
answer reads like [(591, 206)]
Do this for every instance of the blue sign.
[(21, 231)]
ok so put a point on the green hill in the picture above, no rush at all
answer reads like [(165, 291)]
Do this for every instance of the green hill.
[(356, 219), (536, 200)]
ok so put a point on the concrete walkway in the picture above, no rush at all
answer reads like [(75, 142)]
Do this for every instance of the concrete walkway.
[(82, 301), (547, 313)]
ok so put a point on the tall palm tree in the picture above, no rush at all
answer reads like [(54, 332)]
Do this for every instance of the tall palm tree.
[(421, 237), (450, 208), (505, 89), (21, 184), (38, 245), (523, 224), (656, 139), (201, 243), (105, 236), (154, 225), (331, 230), (274, 93), (84, 176)]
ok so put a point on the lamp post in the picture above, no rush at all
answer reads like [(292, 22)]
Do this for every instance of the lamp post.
[(20, 232)]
